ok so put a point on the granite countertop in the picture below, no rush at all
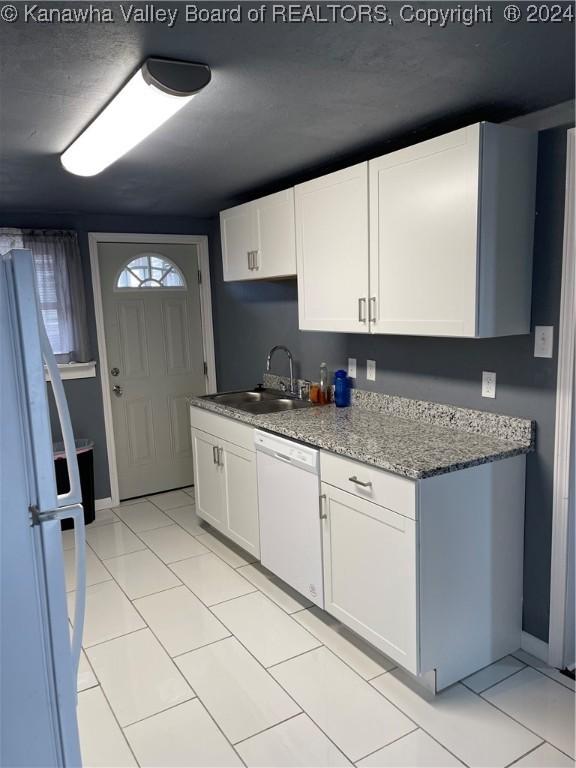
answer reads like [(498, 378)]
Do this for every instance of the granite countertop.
[(415, 448)]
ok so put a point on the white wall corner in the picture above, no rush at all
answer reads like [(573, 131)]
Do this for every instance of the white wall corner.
[(103, 504), (534, 646)]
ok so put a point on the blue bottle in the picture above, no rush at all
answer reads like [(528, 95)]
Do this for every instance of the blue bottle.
[(341, 389)]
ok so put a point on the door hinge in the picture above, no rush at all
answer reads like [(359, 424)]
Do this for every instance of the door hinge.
[(199, 277), (205, 368)]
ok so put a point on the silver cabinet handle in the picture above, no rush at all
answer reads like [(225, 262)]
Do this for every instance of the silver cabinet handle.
[(256, 254), (215, 454), (117, 389), (362, 310), (249, 255), (354, 479), (373, 309), (220, 457), (323, 515)]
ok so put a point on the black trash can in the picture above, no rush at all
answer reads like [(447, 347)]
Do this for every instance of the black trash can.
[(85, 455)]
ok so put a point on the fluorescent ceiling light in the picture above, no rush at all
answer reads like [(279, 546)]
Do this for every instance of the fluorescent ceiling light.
[(158, 90)]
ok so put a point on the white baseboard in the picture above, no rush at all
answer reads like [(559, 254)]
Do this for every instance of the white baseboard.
[(535, 646), (103, 503)]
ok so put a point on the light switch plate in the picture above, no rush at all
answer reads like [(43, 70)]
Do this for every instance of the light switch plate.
[(488, 384), (543, 340), (352, 367), (371, 370)]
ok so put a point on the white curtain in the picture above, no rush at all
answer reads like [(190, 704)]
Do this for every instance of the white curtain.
[(61, 290)]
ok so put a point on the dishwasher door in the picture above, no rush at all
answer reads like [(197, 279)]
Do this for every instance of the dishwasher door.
[(289, 510)]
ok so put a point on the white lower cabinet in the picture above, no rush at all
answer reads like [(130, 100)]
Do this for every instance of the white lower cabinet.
[(370, 573), (225, 477), (429, 571), (210, 489)]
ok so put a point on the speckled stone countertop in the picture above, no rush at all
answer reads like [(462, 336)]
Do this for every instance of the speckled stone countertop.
[(409, 446)]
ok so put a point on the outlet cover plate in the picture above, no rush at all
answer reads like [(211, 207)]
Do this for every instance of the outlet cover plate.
[(488, 384), (543, 340), (352, 367), (370, 370)]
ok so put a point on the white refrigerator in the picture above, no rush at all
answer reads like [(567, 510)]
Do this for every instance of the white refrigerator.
[(39, 652)]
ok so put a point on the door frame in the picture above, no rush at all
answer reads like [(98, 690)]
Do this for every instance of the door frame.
[(564, 422), (201, 242)]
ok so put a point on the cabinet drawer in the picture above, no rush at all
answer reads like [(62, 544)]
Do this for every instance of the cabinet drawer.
[(223, 428), (383, 488)]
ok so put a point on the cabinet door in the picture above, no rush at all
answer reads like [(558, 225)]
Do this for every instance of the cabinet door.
[(423, 237), (370, 573), (241, 498), (239, 240), (209, 480), (332, 251), (275, 224)]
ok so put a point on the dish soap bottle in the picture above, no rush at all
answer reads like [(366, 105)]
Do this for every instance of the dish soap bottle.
[(324, 393)]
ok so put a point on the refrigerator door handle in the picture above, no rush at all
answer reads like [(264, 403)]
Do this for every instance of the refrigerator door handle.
[(74, 512), (74, 495)]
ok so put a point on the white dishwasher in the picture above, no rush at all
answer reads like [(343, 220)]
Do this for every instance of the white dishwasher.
[(289, 509)]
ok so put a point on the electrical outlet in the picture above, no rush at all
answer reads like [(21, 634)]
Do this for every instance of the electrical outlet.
[(543, 340), (352, 367), (488, 384), (370, 370)]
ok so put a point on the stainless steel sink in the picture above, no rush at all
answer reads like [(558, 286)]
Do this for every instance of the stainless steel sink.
[(258, 401)]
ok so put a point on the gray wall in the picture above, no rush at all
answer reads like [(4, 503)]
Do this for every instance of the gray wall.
[(252, 317), (84, 395)]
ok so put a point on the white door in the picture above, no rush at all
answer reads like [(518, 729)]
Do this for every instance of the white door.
[(153, 329), (370, 573), (423, 237), (210, 484), (276, 256), (239, 242), (241, 497), (332, 251)]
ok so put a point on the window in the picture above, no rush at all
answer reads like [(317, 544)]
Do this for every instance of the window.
[(60, 285), (150, 270)]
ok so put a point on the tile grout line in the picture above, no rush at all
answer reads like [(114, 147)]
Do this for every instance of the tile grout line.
[(507, 714), (394, 741), (270, 727), (493, 685), (539, 669), (530, 751), (418, 725), (116, 719)]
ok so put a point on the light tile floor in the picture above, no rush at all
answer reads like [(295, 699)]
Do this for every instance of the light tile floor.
[(195, 656)]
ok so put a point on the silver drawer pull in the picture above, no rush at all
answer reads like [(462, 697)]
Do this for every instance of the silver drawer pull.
[(215, 454), (354, 479)]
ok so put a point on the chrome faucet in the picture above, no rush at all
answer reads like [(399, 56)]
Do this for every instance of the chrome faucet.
[(290, 362)]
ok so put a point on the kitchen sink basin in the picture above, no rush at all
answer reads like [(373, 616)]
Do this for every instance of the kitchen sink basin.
[(259, 401)]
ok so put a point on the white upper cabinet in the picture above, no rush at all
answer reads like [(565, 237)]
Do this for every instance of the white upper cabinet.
[(258, 238), (332, 251), (451, 227)]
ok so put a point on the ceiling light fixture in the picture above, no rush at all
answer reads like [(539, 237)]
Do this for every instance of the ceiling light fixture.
[(158, 90)]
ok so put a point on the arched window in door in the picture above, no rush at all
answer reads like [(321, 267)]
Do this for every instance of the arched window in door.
[(150, 270)]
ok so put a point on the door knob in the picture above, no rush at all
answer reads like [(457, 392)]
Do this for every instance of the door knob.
[(117, 389), (115, 371)]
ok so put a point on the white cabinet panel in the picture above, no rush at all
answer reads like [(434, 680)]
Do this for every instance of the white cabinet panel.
[(239, 239), (241, 498), (370, 573), (423, 237), (258, 238), (332, 251), (276, 256), (209, 480), (225, 477)]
